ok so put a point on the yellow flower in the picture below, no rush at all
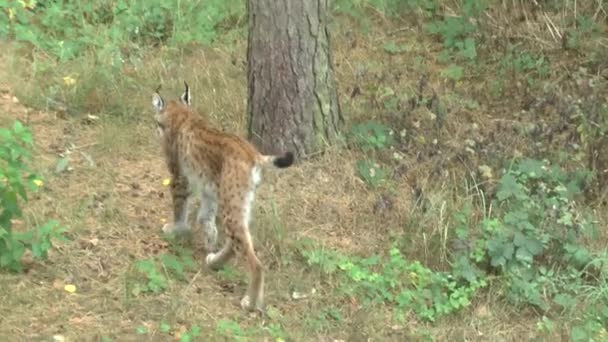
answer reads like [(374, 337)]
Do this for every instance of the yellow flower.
[(69, 81), (413, 278), (166, 181), (70, 288), (31, 4), (38, 182)]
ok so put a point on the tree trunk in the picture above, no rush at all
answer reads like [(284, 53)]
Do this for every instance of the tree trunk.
[(293, 102)]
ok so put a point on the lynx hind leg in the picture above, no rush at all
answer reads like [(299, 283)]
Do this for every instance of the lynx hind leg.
[(237, 191), (181, 197), (254, 299), (239, 240), (206, 218), (239, 243)]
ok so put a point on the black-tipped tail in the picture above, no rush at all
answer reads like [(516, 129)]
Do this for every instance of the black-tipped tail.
[(285, 161)]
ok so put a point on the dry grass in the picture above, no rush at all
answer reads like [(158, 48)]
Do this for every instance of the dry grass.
[(115, 207)]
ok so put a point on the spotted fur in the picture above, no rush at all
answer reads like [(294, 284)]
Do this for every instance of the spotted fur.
[(224, 170)]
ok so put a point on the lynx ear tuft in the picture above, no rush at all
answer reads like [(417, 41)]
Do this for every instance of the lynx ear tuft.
[(186, 96), (158, 102)]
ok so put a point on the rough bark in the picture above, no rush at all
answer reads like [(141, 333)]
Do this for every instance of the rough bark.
[(293, 101)]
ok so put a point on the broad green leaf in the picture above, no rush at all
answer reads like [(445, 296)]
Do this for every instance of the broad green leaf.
[(509, 187), (533, 245), (453, 72), (141, 330), (566, 301), (532, 168), (522, 254), (469, 51), (165, 327)]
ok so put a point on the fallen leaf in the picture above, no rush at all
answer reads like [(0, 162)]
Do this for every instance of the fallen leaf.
[(71, 288), (38, 182), (298, 295), (486, 172), (62, 165), (69, 81), (85, 320), (58, 338), (166, 181), (58, 284), (88, 158), (179, 331)]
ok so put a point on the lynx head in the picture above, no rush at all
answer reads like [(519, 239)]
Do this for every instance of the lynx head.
[(163, 109)]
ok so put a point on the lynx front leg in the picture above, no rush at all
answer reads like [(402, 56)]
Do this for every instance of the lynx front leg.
[(206, 218), (180, 194)]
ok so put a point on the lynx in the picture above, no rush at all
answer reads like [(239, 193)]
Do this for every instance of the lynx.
[(224, 170)]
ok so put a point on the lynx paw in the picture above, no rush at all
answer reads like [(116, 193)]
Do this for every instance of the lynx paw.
[(169, 228), (245, 304), (209, 259)]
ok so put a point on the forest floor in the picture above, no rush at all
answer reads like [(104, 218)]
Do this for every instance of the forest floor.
[(111, 198)]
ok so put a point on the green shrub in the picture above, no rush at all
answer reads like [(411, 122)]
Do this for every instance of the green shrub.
[(153, 274), (458, 32), (67, 29), (396, 281), (372, 135), (538, 230), (391, 8), (87, 57), (16, 179)]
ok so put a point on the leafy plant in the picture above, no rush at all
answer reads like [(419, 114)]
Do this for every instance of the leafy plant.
[(189, 335), (453, 72), (372, 135), (323, 318), (67, 29), (458, 31), (585, 27), (395, 281), (391, 8), (516, 64), (230, 329), (156, 281), (371, 172), (85, 56), (164, 327), (141, 330), (15, 177), (535, 240), (591, 120), (178, 265), (156, 272), (393, 49)]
